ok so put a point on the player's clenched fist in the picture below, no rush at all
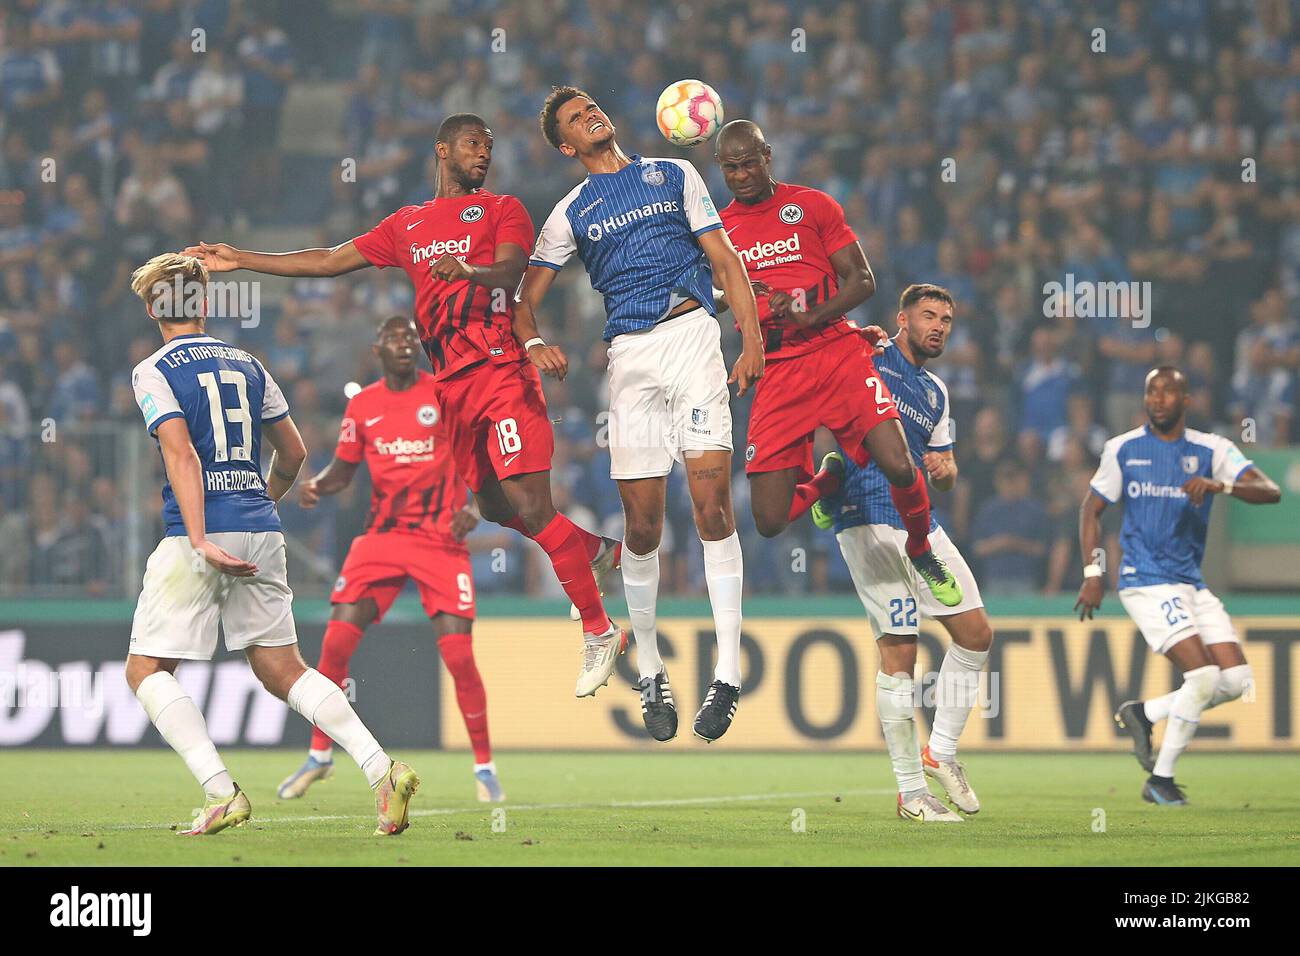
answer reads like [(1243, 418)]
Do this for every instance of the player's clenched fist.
[(451, 269), (748, 369), (217, 256), (309, 493), (938, 467), (463, 522), (550, 360), (1197, 488)]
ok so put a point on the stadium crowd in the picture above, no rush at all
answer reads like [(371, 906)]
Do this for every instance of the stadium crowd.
[(991, 146)]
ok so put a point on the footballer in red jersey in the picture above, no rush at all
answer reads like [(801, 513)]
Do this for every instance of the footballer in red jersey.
[(465, 251), (807, 270), (419, 516)]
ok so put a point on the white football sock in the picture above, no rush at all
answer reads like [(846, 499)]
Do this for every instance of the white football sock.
[(490, 765), (897, 709), (641, 589), (321, 701), (1189, 700), (724, 573), (955, 695), (1233, 682), (321, 756), (181, 724)]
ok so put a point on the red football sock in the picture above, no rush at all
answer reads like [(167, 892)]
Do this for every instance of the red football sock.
[(341, 640), (458, 654), (591, 542), (825, 482), (913, 504), (564, 544)]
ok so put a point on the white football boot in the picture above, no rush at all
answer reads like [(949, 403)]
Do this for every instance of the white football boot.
[(599, 655), (952, 776), (926, 808)]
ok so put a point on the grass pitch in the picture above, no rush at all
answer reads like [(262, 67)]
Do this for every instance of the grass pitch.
[(100, 807)]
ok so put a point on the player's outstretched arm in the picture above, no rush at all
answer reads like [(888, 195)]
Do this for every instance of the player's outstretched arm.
[(185, 473), (1094, 586), (734, 280), (287, 458), (549, 359), (1253, 487), (314, 263), (331, 479)]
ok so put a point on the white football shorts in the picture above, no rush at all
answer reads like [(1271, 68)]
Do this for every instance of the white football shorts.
[(184, 597), (1169, 613), (891, 591), (667, 395)]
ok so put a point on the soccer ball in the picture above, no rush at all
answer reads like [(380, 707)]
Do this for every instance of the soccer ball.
[(688, 112)]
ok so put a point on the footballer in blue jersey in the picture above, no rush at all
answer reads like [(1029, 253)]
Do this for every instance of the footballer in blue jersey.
[(1166, 474), (873, 540), (653, 245), (222, 557)]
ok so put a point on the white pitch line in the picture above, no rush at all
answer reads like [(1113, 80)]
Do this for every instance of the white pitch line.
[(512, 807)]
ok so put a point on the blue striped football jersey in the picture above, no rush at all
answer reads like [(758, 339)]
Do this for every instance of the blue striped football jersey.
[(1162, 538), (922, 402), (635, 231), (225, 397)]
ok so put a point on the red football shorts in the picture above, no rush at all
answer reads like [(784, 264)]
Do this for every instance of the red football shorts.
[(378, 565), (496, 420), (836, 386)]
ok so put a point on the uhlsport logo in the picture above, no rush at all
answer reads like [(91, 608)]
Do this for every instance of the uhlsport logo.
[(75, 908), (790, 214), (471, 214), (598, 230), (439, 248), (427, 416)]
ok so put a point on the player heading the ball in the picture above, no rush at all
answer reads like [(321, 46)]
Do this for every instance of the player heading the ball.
[(651, 241), (222, 557)]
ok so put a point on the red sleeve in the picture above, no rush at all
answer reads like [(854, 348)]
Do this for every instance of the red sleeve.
[(834, 231), (514, 225), (378, 245), (352, 446)]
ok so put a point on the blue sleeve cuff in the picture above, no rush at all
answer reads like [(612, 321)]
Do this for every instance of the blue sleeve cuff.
[(543, 262), (1244, 468), (281, 417), (153, 426), (947, 447), (709, 228)]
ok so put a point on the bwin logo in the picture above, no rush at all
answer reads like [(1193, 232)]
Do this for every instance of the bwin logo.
[(75, 909)]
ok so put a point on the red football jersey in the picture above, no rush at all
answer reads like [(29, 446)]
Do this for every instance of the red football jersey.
[(399, 435), (460, 323), (787, 241)]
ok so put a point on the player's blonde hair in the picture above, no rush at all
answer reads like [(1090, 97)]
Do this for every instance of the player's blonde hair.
[(157, 278)]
